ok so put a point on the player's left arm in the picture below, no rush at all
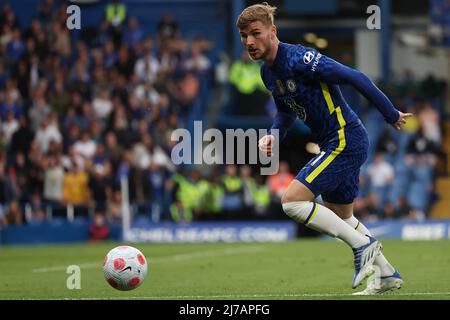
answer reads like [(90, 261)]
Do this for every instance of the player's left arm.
[(361, 82), (331, 71)]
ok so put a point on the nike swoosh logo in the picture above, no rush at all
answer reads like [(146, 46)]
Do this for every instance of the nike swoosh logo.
[(378, 231), (127, 268)]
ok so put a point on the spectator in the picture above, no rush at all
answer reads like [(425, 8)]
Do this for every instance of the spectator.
[(15, 214), (184, 199), (36, 71), (133, 33), (8, 128), (34, 165), (100, 186), (5, 38), (114, 207), (185, 91), (420, 144), (146, 153), (21, 74), (39, 109), (75, 186), (21, 139), (279, 182), (7, 190), (102, 105), (85, 146), (9, 106), (261, 196), (249, 187), (167, 29), (110, 55), (116, 13), (53, 181), (429, 122), (381, 175), (3, 219), (19, 175), (233, 191), (59, 38), (15, 47), (113, 150), (404, 209), (102, 35), (3, 75), (47, 132), (37, 215), (12, 89), (388, 212), (387, 145), (156, 177), (372, 210), (247, 87), (59, 99), (213, 199), (45, 11), (147, 67), (99, 230), (125, 63), (197, 62)]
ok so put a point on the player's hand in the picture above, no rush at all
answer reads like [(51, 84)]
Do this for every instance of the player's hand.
[(401, 120), (265, 144)]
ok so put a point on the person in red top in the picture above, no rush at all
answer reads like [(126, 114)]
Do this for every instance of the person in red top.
[(279, 183), (98, 230)]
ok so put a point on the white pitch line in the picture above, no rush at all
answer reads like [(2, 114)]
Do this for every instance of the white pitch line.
[(174, 258), (294, 295)]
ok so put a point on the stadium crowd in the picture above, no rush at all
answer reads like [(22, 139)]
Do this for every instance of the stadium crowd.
[(398, 178), (78, 116)]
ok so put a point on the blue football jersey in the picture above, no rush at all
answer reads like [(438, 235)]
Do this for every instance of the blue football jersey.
[(305, 84)]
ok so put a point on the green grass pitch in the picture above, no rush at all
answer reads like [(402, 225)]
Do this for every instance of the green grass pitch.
[(302, 269)]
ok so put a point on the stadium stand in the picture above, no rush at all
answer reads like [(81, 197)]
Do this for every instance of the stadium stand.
[(81, 110)]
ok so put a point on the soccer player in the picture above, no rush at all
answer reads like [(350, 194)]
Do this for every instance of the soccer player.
[(305, 84)]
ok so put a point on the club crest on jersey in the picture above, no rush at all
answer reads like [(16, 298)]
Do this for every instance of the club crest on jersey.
[(280, 86), (292, 87), (308, 57)]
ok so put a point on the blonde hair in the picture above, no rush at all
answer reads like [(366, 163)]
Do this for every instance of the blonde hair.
[(258, 12)]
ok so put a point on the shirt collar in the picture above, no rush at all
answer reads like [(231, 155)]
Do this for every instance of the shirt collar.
[(278, 58)]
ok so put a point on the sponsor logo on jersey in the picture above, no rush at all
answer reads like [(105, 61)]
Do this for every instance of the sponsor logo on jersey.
[(308, 57), (316, 62)]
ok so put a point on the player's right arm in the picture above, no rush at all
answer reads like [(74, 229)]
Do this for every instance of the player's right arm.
[(284, 119)]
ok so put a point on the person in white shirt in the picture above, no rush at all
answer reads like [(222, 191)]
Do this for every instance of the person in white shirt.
[(381, 175), (102, 105), (8, 127), (47, 132), (86, 146), (53, 179), (147, 67)]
